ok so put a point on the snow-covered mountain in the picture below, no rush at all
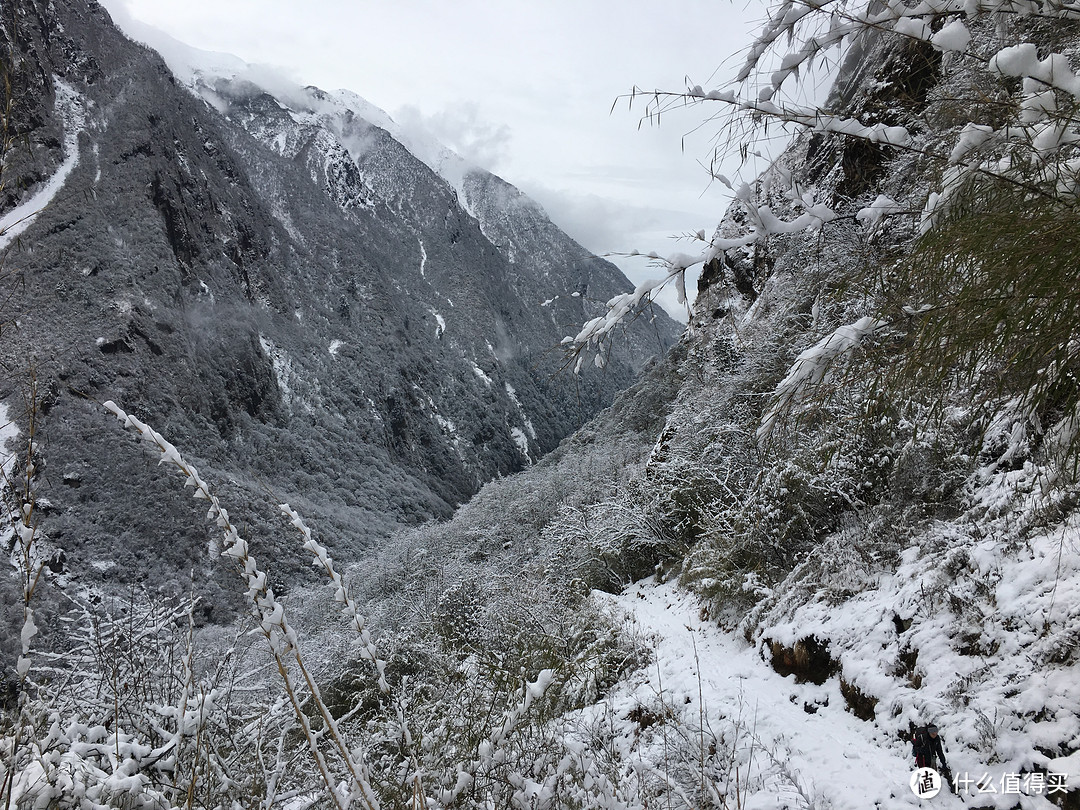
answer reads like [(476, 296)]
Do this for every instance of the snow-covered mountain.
[(284, 283), (844, 505)]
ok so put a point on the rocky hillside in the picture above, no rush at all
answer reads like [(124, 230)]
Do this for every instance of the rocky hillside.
[(282, 287)]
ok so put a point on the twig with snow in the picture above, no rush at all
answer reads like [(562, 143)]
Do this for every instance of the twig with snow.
[(280, 636)]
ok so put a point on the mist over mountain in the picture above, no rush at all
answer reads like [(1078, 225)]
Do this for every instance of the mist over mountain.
[(282, 287)]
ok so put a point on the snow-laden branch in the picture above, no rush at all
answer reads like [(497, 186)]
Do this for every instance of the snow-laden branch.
[(816, 27), (838, 22), (341, 593), (814, 119), (280, 636), (812, 366), (1022, 62), (761, 223)]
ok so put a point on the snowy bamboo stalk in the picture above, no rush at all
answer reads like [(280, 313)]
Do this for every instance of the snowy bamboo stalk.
[(341, 593), (20, 749), (280, 636), (24, 523), (348, 608), (811, 367)]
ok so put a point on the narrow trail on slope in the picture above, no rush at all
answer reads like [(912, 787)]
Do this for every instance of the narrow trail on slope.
[(819, 755)]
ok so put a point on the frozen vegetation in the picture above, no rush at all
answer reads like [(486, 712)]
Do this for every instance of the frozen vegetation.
[(844, 506)]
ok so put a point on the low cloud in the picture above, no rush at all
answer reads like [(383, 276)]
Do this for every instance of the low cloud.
[(462, 129), (613, 229), (606, 225)]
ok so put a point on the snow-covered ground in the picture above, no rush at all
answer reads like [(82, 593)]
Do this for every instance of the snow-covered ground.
[(796, 745), (709, 675)]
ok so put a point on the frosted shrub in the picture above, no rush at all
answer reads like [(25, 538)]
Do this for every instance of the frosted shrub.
[(464, 712), (457, 690), (114, 712), (846, 462), (611, 543)]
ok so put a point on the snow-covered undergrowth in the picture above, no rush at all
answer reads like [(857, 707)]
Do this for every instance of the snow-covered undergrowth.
[(972, 628), (870, 466), (850, 463), (1001, 689), (750, 736), (509, 684), (130, 706)]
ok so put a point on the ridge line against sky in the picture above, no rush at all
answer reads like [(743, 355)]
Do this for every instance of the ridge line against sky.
[(525, 90)]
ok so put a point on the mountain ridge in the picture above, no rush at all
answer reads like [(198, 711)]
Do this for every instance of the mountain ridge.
[(339, 326)]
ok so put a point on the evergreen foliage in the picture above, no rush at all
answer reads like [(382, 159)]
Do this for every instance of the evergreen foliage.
[(997, 278)]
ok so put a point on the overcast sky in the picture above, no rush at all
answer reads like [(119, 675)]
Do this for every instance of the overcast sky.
[(524, 89)]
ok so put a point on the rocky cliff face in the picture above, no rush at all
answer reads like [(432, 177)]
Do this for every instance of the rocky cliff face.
[(282, 288)]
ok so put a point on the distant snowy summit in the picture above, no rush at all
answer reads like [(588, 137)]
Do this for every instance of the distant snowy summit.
[(221, 79)]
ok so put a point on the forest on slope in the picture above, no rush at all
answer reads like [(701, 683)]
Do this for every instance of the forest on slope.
[(284, 287), (861, 459)]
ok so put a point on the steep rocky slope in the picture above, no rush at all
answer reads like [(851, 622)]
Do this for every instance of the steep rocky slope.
[(281, 287)]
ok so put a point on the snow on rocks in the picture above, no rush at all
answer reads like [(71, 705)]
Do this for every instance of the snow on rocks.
[(440, 323), (971, 625), (522, 443), (981, 624), (479, 372), (511, 392)]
